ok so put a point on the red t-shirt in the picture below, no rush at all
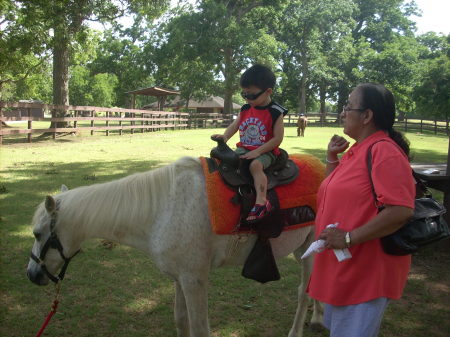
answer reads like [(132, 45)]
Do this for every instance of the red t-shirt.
[(256, 125), (345, 197)]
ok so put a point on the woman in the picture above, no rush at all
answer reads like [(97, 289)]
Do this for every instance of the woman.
[(356, 291)]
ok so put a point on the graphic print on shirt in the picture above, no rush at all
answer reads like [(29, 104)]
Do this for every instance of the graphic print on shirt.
[(253, 132)]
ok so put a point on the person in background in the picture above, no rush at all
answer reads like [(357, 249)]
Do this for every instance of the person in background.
[(356, 292), (261, 131)]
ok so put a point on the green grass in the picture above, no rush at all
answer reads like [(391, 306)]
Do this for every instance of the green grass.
[(119, 292)]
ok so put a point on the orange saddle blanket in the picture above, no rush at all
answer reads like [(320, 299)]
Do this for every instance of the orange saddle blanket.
[(224, 214)]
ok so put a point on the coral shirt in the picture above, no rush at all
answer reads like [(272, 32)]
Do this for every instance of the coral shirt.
[(345, 197), (256, 125)]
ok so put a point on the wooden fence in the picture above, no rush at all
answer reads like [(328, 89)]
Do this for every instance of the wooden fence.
[(88, 118), (408, 124), (99, 119)]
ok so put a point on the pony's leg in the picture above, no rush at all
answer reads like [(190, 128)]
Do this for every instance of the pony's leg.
[(181, 313), (317, 316), (303, 299), (195, 290)]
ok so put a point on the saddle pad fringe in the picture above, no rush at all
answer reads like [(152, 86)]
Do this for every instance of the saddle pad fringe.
[(224, 214)]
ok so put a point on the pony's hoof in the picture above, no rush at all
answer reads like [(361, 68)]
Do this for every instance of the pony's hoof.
[(316, 327)]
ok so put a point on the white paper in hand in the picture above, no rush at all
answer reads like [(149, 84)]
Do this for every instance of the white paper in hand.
[(319, 245), (315, 247)]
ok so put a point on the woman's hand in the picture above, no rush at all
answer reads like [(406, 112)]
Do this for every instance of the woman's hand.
[(334, 238), (337, 145)]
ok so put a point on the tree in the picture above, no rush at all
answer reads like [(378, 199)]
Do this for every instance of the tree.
[(377, 23), (120, 54), (223, 38), (22, 46), (432, 94), (61, 22), (313, 32)]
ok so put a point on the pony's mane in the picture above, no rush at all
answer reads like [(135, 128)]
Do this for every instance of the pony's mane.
[(125, 204)]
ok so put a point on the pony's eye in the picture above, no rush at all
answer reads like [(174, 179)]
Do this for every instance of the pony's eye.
[(37, 235)]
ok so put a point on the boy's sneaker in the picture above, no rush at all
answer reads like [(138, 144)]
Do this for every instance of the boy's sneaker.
[(259, 211)]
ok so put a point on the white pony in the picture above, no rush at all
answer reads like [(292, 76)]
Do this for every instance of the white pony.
[(162, 212)]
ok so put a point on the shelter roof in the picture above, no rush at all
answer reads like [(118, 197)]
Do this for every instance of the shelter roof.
[(153, 91), (210, 102)]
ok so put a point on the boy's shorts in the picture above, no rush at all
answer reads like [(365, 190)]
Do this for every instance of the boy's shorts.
[(266, 159)]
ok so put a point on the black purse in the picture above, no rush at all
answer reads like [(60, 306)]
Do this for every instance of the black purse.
[(427, 225)]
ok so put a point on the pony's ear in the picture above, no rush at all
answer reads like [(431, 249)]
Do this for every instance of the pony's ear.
[(64, 188), (50, 204)]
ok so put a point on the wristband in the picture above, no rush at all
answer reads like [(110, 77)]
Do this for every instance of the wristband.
[(331, 161)]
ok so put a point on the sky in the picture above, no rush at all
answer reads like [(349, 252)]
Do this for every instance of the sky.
[(435, 16)]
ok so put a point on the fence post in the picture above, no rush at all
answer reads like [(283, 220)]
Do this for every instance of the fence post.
[(1, 126), (406, 124), (421, 125), (92, 122), (107, 123), (435, 126), (30, 126), (75, 122), (120, 123)]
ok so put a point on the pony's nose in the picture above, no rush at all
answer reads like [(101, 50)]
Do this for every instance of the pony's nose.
[(37, 277)]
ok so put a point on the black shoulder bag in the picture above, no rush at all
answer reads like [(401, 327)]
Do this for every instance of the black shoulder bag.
[(427, 225)]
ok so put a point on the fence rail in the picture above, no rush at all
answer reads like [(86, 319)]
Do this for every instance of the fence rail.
[(86, 118), (100, 119), (407, 125)]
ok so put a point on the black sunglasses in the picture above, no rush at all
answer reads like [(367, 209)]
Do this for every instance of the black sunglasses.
[(252, 97)]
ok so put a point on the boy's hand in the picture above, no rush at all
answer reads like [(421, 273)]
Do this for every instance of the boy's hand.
[(216, 137), (250, 155)]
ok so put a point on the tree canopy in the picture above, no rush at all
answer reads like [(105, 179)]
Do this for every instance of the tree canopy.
[(319, 50)]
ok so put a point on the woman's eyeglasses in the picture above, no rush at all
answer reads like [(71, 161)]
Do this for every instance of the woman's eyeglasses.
[(251, 97), (346, 108)]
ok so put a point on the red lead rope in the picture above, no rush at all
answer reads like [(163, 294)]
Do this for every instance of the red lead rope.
[(51, 313)]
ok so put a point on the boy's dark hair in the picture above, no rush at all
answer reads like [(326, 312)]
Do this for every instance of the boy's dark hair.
[(259, 76)]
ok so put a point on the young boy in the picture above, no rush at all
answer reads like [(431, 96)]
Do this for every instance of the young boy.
[(261, 131)]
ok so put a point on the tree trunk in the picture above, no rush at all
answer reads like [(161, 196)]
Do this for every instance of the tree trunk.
[(60, 72), (229, 79), (302, 89), (322, 96), (343, 93), (302, 96)]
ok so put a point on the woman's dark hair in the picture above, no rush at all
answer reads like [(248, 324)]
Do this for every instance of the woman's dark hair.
[(258, 75), (381, 101)]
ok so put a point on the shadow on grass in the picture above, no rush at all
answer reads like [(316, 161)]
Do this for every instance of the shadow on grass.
[(119, 292)]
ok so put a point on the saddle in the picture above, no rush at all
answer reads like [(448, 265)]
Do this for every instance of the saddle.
[(235, 171), (260, 264)]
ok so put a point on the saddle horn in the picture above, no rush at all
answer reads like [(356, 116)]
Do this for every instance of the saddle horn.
[(224, 153)]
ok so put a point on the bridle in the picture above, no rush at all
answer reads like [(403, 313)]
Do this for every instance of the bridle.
[(54, 243)]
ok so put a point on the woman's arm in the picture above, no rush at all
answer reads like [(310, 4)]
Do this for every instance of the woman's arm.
[(336, 145), (389, 220), (229, 131)]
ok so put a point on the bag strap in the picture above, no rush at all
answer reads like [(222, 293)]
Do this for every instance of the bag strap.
[(369, 167), (419, 181)]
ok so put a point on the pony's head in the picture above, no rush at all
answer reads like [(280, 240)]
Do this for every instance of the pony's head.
[(53, 246)]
